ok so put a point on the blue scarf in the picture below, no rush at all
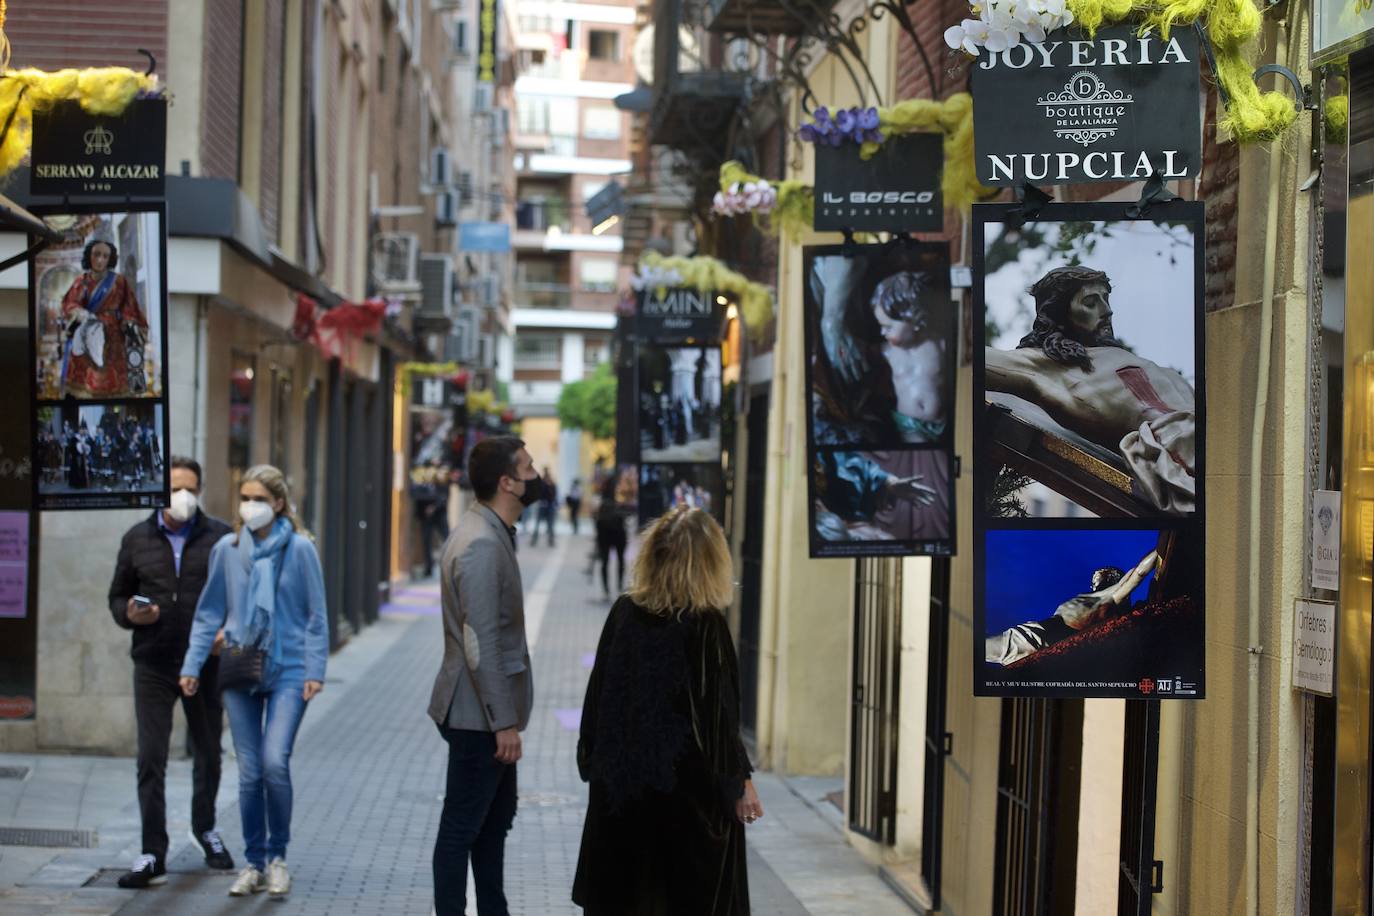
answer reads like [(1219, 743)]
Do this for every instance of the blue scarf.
[(266, 557)]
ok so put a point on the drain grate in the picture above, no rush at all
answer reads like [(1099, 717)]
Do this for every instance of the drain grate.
[(14, 772), (40, 836)]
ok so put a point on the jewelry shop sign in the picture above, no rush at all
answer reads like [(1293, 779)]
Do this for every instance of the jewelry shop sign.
[(1114, 107), (77, 153)]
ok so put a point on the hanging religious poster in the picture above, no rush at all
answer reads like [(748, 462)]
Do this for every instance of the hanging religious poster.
[(880, 362), (667, 486), (1088, 451), (98, 355), (1114, 107), (897, 189), (679, 404)]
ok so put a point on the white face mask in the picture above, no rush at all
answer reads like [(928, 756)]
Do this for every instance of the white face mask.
[(256, 515), (183, 506)]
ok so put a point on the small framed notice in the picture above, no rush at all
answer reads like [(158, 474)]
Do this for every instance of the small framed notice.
[(1314, 646)]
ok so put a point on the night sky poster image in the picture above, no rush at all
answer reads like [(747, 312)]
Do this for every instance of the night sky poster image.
[(880, 331), (1089, 524)]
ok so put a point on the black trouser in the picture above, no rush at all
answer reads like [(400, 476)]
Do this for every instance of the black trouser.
[(479, 808), (433, 527), (156, 690), (574, 507), (610, 535)]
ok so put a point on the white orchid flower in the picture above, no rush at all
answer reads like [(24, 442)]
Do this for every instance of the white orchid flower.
[(958, 39)]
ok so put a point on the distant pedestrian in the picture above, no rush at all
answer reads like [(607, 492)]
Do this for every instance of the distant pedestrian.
[(574, 500), (660, 738), (266, 590), (157, 581), (484, 690), (547, 508), (610, 535), (429, 492)]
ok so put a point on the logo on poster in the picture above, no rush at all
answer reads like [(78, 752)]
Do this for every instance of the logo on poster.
[(1086, 110), (98, 140), (1147, 685)]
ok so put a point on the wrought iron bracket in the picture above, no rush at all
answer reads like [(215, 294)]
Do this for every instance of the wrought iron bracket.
[(1301, 96)]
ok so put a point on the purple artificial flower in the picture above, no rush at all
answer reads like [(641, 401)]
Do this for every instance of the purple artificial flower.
[(835, 138), (808, 133), (821, 116), (845, 121), (875, 136), (868, 118)]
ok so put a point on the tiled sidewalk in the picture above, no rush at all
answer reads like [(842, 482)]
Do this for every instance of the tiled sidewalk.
[(369, 777)]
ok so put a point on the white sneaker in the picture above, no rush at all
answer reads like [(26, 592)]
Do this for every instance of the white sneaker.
[(278, 878), (249, 881)]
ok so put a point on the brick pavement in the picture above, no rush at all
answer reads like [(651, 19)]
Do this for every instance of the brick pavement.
[(369, 778)]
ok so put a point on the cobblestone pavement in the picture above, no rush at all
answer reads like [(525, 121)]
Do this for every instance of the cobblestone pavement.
[(369, 777)]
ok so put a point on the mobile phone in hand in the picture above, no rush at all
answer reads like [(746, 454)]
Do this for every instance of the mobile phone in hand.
[(142, 601)]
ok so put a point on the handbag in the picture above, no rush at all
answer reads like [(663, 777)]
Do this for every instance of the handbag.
[(242, 667)]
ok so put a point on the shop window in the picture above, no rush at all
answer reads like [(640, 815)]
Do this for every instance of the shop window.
[(603, 44), (241, 383)]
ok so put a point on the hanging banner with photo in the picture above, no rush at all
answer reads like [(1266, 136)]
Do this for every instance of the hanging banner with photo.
[(678, 314), (1088, 464), (897, 190), (98, 357), (77, 153), (1114, 107), (679, 412), (667, 486), (880, 361)]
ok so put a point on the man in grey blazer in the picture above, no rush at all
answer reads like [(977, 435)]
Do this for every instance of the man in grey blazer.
[(483, 694)]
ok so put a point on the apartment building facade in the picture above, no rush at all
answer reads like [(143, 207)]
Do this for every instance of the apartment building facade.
[(571, 141)]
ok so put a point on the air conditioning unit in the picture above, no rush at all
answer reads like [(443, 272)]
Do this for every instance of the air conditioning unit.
[(446, 208), (395, 260), (462, 338), (439, 167), (436, 286)]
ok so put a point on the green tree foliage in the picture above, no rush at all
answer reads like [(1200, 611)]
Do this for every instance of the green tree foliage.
[(589, 405)]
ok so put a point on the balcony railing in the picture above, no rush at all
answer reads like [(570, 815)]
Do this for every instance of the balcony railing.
[(535, 294), (693, 106)]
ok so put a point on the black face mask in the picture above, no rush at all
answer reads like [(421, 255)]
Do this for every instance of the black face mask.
[(534, 491)]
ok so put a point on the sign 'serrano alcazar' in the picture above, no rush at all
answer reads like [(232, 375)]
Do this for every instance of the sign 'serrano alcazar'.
[(1117, 107), (85, 155)]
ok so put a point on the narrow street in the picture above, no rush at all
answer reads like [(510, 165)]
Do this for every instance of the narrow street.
[(369, 771)]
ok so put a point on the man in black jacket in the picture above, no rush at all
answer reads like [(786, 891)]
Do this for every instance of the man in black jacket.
[(163, 562)]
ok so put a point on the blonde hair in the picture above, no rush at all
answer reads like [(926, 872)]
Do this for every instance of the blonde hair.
[(683, 565), (274, 482)]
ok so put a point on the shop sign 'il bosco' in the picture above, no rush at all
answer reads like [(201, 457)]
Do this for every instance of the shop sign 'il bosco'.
[(1117, 107)]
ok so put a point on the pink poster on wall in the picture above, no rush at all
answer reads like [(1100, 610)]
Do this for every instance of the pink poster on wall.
[(14, 564)]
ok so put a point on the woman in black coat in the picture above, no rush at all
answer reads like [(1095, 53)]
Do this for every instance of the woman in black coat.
[(660, 741)]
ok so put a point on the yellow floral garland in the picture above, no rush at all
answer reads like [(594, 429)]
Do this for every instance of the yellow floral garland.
[(407, 371), (708, 274), (952, 117), (101, 91), (1251, 116), (792, 214)]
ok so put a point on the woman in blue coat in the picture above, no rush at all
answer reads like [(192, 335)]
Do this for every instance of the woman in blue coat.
[(265, 588)]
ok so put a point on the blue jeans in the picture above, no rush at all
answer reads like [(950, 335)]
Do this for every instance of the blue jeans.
[(264, 727), (479, 807)]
